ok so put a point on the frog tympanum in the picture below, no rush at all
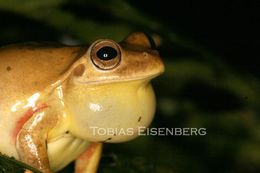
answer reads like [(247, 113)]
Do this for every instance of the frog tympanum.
[(53, 98)]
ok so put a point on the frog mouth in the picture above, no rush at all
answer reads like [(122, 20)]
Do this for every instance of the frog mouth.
[(115, 79), (117, 75)]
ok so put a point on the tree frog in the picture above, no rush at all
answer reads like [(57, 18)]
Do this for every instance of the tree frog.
[(60, 103)]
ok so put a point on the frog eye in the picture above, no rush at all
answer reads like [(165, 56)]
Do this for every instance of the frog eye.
[(105, 55)]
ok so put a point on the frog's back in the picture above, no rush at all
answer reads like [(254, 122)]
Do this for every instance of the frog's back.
[(25, 70), (30, 68)]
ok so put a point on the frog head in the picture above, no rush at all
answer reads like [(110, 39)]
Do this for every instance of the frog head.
[(109, 95)]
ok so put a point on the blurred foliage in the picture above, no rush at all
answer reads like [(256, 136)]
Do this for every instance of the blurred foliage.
[(198, 88)]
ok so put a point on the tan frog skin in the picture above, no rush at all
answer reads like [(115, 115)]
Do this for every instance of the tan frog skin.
[(51, 97)]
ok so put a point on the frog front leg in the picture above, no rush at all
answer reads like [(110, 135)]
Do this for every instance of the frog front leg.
[(88, 161), (31, 141)]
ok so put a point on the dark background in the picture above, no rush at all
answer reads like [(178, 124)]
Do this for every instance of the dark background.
[(228, 28), (210, 50)]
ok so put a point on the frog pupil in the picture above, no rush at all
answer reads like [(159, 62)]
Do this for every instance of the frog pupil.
[(106, 53)]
